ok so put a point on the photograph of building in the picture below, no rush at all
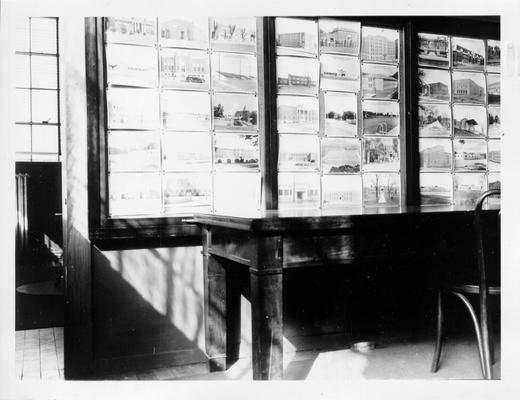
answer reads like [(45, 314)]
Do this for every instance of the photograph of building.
[(186, 151), (468, 53), (434, 119), (380, 81), (131, 65), (297, 75), (381, 190), (185, 111), (381, 154), (298, 190), (184, 69), (436, 188), (340, 156), (131, 30), (341, 190), (494, 155), (380, 118), (338, 36), (379, 44), (187, 190), (434, 84), (493, 88), (234, 151), (133, 151), (470, 154), (339, 73), (468, 88), (435, 153), (467, 188), (493, 56), (233, 34), (234, 72), (134, 193), (298, 152), (189, 33), (494, 127), (297, 114), (434, 50), (296, 36), (340, 114), (469, 121), (132, 108), (237, 112)]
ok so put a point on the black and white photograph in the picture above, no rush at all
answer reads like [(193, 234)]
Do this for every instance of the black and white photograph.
[(235, 112), (340, 156), (494, 122), (380, 118), (341, 191), (236, 151), (187, 191), (467, 188), (132, 108), (233, 34), (338, 36), (469, 87), (233, 72), (298, 152), (493, 89), (296, 37), (298, 190), (297, 114), (133, 151), (467, 53), (379, 81), (493, 56), (435, 154), (296, 75), (184, 69), (494, 155), (339, 73), (186, 151), (434, 119), (189, 32), (381, 154), (134, 194), (470, 154), (379, 44), (185, 111), (381, 190), (434, 85), (340, 114), (236, 192), (469, 121), (131, 30), (436, 188), (131, 65), (434, 50)]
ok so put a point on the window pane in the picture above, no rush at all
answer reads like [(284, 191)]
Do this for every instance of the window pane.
[(131, 65), (436, 188), (23, 105), (43, 35), (185, 69), (381, 190), (45, 139), (187, 193), (134, 194), (45, 106), (236, 152), (44, 72), (379, 44), (132, 109), (191, 32), (22, 34), (341, 191), (131, 30), (187, 151), (23, 71), (298, 190), (133, 151), (23, 138), (233, 34), (237, 192)]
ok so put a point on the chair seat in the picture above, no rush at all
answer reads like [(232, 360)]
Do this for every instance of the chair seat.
[(471, 289)]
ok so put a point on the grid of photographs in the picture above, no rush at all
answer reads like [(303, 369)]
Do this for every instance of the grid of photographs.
[(182, 108), (338, 114), (459, 118)]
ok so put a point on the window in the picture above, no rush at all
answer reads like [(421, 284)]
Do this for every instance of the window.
[(37, 90)]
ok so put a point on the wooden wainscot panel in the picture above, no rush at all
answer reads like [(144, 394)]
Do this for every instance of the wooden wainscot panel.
[(235, 245)]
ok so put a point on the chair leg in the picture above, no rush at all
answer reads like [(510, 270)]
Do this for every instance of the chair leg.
[(439, 338), (487, 346)]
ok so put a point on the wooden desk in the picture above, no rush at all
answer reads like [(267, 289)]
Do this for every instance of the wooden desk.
[(267, 243)]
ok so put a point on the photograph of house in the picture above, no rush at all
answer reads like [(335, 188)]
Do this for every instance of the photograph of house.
[(134, 193), (494, 127), (470, 154), (380, 81), (494, 158), (341, 190), (434, 119), (380, 118), (236, 192), (296, 37), (338, 36), (467, 188), (340, 156), (233, 34), (379, 44), (234, 151), (468, 88), (434, 50), (237, 112), (187, 190), (185, 111), (339, 73), (381, 190), (297, 114), (186, 151), (176, 32), (469, 120), (131, 30), (234, 72), (133, 151), (297, 75), (434, 84), (132, 108), (381, 154), (435, 153), (340, 114), (130, 65), (298, 152), (493, 56), (436, 188), (468, 53), (184, 69), (298, 190), (493, 88)]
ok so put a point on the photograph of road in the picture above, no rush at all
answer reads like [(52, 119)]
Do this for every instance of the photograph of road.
[(436, 188), (434, 50), (233, 72), (236, 112), (380, 118), (380, 81), (434, 119), (470, 154), (340, 114)]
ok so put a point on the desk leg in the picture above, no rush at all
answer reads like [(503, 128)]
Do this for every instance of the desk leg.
[(266, 309)]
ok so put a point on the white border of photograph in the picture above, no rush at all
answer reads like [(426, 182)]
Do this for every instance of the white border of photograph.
[(200, 37), (307, 125), (236, 152), (187, 151), (436, 126), (340, 156), (439, 154), (298, 76), (341, 191), (329, 25), (295, 26), (238, 35), (389, 35), (440, 188), (305, 185), (298, 152), (426, 58), (339, 125), (244, 79), (339, 73)]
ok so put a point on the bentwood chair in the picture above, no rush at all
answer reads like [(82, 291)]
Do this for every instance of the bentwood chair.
[(487, 233)]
